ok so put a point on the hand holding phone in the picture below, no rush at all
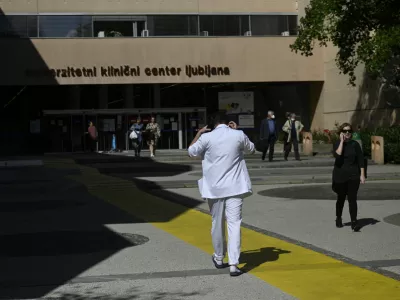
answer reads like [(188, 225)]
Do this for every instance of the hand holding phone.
[(342, 137)]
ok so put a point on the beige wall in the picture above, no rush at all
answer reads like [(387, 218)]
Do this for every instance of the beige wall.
[(148, 6), (368, 104), (17, 6), (248, 59)]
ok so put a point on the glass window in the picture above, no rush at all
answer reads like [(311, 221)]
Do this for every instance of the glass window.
[(269, 25), (293, 27), (224, 25), (18, 26), (65, 26), (172, 25)]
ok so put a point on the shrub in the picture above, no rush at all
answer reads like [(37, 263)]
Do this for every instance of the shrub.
[(391, 136)]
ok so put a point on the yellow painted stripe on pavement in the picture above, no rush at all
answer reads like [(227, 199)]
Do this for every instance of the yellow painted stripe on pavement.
[(300, 272)]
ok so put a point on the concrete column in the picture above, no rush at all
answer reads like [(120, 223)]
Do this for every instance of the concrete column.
[(103, 96), (74, 97), (156, 96), (128, 96)]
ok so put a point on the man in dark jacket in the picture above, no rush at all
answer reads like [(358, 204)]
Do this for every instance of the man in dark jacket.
[(268, 135)]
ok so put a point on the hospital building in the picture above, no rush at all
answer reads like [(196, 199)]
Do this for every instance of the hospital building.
[(67, 62)]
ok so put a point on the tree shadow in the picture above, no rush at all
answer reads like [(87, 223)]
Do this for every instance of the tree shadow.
[(255, 258), (130, 166), (378, 105)]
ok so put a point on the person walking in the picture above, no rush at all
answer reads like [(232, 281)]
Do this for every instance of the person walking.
[(153, 135), (137, 140), (268, 135), (348, 173), (293, 128), (92, 137), (225, 183)]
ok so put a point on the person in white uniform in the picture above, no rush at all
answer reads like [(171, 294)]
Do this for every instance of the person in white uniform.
[(224, 184)]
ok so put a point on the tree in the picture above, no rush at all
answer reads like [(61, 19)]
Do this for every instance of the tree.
[(364, 31)]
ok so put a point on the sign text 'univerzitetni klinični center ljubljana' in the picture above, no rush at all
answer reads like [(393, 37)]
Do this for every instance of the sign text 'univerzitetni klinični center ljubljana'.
[(128, 71)]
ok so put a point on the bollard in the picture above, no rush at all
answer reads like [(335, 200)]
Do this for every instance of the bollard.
[(307, 143), (377, 150)]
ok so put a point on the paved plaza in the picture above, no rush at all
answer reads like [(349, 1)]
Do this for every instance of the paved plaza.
[(97, 226)]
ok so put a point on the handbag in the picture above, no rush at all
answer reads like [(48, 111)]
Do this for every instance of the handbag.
[(133, 135)]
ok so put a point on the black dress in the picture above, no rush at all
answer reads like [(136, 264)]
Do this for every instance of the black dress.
[(348, 165)]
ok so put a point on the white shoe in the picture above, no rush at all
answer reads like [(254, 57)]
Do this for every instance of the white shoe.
[(152, 155)]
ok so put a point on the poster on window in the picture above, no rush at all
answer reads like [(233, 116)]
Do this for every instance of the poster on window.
[(246, 121), (236, 102)]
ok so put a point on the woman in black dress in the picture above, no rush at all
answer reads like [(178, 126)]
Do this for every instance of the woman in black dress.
[(348, 173)]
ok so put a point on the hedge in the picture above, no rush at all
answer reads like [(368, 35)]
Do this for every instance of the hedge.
[(391, 137)]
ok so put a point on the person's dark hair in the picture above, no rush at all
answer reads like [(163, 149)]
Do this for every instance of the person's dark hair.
[(288, 114), (345, 125), (218, 118)]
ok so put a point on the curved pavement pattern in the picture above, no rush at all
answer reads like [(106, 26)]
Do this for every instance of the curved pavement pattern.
[(370, 191), (393, 219)]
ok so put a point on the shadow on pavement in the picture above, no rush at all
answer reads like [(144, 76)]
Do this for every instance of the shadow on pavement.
[(128, 167), (364, 222), (130, 294), (255, 258), (52, 229)]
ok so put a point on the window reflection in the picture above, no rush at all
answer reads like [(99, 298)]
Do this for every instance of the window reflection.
[(224, 25), (18, 26), (65, 26), (170, 25), (157, 25), (273, 25)]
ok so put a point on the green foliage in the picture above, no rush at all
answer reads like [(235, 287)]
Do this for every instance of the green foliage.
[(320, 137), (365, 31), (391, 138)]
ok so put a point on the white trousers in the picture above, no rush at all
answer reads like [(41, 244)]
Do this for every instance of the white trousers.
[(231, 210)]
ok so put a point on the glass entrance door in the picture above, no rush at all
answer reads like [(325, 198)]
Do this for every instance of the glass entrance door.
[(191, 122), (77, 133), (169, 125), (59, 133)]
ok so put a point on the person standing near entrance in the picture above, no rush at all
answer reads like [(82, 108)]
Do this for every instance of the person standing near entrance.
[(268, 135), (293, 128), (137, 141), (153, 135), (92, 137), (224, 184)]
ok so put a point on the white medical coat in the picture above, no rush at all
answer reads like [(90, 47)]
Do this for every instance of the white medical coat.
[(224, 168)]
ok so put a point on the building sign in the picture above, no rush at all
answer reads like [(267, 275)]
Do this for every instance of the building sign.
[(129, 71)]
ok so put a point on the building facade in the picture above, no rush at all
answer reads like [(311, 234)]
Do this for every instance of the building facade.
[(65, 62)]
